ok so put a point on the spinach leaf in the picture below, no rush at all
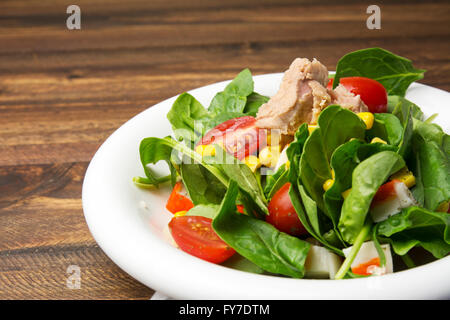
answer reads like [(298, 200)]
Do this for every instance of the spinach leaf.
[(238, 171), (311, 227), (151, 151), (367, 177), (275, 181), (203, 187), (259, 241), (399, 106), (387, 127), (343, 161), (238, 262), (294, 152), (395, 73), (318, 148), (432, 173), (416, 226), (254, 101), (204, 210), (234, 97), (186, 116), (430, 165)]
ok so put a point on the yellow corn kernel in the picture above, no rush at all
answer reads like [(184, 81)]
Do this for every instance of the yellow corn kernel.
[(268, 156), (180, 213), (205, 150), (376, 139), (346, 193), (287, 165), (311, 127), (328, 184), (405, 176), (252, 162), (443, 207), (367, 118)]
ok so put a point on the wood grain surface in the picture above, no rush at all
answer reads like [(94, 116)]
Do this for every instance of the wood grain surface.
[(62, 93)]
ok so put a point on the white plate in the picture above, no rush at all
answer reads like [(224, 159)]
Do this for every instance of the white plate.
[(128, 223)]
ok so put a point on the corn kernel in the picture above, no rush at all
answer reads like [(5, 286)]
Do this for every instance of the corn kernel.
[(268, 156), (180, 213), (376, 139), (311, 127), (205, 150), (405, 176), (443, 207), (328, 184), (367, 118), (252, 162), (346, 193), (287, 165)]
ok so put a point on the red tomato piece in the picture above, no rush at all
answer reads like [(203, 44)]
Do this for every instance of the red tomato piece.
[(239, 136), (330, 84), (194, 235), (240, 208), (178, 202), (371, 92), (282, 214)]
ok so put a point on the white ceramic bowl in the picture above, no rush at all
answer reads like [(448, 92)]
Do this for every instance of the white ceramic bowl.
[(128, 223)]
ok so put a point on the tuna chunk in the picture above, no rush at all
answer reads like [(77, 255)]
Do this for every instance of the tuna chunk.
[(341, 96), (301, 97)]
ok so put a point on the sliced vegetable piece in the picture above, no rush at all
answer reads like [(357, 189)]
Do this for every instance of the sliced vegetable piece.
[(194, 235), (367, 261), (177, 201), (390, 199)]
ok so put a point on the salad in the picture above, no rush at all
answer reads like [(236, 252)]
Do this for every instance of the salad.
[(335, 176)]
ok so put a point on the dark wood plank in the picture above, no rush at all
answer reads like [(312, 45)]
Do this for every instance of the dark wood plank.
[(62, 93)]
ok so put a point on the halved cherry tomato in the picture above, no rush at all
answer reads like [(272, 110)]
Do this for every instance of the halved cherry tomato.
[(194, 235), (282, 214), (239, 136), (178, 202), (371, 92)]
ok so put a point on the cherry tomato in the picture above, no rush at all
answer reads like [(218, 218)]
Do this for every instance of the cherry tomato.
[(282, 214), (239, 136), (178, 202), (371, 92), (194, 235)]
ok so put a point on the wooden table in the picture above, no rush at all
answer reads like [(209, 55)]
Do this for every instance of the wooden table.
[(62, 93)]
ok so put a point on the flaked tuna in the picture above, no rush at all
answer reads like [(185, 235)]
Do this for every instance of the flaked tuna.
[(301, 97)]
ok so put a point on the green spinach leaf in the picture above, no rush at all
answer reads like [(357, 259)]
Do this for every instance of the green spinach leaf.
[(395, 73), (367, 177), (259, 241), (416, 226)]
